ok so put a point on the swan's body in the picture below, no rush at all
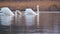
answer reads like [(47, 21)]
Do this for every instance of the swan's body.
[(6, 11), (29, 11)]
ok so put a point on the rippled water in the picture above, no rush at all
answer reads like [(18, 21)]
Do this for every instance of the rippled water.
[(49, 23)]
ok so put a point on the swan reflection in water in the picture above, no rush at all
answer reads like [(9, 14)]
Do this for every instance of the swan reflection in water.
[(30, 20), (6, 20)]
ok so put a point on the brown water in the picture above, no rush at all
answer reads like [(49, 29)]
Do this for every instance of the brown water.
[(27, 24)]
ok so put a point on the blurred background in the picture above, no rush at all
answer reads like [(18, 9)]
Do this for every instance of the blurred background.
[(23, 4)]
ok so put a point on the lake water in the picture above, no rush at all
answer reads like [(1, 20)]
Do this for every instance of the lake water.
[(49, 23)]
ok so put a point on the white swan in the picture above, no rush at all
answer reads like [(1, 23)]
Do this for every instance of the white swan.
[(6, 11), (30, 11), (6, 15), (17, 12), (29, 17)]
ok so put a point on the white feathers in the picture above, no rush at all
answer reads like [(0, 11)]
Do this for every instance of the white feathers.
[(6, 11), (29, 11)]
